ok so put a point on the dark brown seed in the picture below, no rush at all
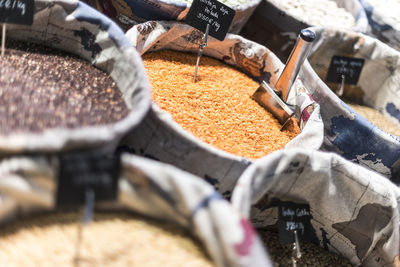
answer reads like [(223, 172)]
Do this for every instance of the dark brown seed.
[(42, 88), (312, 255)]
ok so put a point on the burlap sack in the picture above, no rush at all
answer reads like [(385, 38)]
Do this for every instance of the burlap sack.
[(28, 186), (74, 27), (131, 12), (354, 211), (346, 132), (160, 137), (383, 22), (277, 29)]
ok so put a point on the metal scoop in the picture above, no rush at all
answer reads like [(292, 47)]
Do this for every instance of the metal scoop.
[(274, 99)]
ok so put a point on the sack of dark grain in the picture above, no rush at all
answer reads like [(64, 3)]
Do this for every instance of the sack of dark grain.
[(276, 23), (377, 87), (163, 208), (234, 66), (69, 81), (354, 211), (128, 13), (383, 20)]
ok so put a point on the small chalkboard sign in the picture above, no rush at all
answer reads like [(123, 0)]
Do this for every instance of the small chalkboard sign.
[(349, 67), (17, 11), (86, 170), (293, 216), (218, 15)]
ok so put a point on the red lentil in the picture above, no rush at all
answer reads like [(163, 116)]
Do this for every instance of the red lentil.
[(218, 108)]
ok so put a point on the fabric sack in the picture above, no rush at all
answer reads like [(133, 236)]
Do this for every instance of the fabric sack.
[(383, 21), (346, 132), (160, 137), (354, 211), (74, 27), (277, 28), (128, 13), (28, 186)]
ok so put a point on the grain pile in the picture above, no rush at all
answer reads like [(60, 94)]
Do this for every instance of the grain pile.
[(312, 255), (377, 118), (317, 12), (390, 9), (113, 239), (218, 108), (42, 88)]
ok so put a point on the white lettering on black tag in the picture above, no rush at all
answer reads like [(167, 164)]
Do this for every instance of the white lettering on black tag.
[(293, 216), (212, 12), (80, 171), (17, 11), (349, 67)]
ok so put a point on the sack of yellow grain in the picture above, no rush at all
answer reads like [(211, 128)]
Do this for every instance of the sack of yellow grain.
[(373, 71), (162, 217), (354, 211), (383, 20), (276, 23), (71, 80), (213, 128), (128, 13)]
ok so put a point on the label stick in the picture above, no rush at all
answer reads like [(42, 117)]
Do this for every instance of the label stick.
[(87, 217), (200, 53), (3, 39)]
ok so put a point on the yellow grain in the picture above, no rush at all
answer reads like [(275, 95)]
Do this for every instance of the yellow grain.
[(111, 240), (377, 118)]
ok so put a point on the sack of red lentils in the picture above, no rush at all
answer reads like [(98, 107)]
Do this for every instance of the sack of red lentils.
[(162, 217), (383, 18), (345, 208), (276, 23), (128, 13), (213, 128), (362, 117), (71, 80)]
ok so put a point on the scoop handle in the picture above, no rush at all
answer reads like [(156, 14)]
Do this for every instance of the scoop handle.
[(295, 61)]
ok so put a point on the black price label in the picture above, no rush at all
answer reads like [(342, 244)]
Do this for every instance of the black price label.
[(81, 171), (293, 216), (349, 67), (218, 15), (17, 11)]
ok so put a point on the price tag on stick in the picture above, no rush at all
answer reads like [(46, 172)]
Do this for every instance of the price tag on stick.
[(345, 70), (80, 171), (294, 217), (294, 225), (86, 176), (218, 15), (211, 17), (15, 11)]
